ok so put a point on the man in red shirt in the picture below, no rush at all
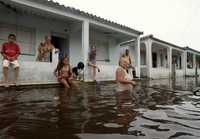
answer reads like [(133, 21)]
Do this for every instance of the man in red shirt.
[(10, 51)]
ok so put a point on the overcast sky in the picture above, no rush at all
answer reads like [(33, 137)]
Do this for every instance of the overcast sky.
[(176, 21)]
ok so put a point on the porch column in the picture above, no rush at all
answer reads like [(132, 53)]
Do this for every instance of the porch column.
[(138, 55), (184, 62), (169, 55), (85, 46), (149, 57), (194, 61)]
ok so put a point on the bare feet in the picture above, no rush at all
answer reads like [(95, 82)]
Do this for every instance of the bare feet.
[(5, 84)]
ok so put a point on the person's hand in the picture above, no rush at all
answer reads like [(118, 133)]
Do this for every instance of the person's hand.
[(133, 83), (70, 78), (56, 74), (13, 58), (7, 57), (56, 50)]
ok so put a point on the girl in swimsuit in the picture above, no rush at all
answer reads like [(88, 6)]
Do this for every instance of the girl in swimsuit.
[(63, 73)]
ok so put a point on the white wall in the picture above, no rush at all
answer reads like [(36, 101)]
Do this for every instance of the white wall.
[(41, 26), (157, 73), (75, 50), (35, 72)]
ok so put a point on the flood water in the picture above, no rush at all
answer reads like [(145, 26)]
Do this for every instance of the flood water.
[(99, 112)]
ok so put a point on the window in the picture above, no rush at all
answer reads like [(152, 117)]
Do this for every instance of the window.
[(25, 37), (189, 61), (102, 49)]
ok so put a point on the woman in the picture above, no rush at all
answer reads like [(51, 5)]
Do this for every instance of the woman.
[(92, 62), (123, 79), (63, 73), (45, 49)]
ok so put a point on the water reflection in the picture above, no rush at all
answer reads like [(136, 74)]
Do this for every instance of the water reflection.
[(85, 112)]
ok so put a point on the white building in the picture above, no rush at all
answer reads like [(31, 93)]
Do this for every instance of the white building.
[(72, 30), (192, 62), (157, 58)]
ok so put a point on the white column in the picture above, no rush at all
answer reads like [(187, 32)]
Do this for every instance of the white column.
[(85, 47), (138, 57), (55, 56), (184, 62), (170, 61), (194, 61), (149, 57)]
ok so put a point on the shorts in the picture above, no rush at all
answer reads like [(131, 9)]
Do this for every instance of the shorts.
[(6, 63), (93, 61)]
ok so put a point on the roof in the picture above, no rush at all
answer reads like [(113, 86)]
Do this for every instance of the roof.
[(72, 10), (162, 41), (176, 46), (190, 49), (153, 38)]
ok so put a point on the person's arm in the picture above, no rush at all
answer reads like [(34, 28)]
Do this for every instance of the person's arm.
[(56, 72), (120, 78), (90, 64), (3, 53), (88, 61), (130, 60), (71, 73)]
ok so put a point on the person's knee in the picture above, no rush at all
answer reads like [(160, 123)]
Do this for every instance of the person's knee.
[(5, 67), (5, 70), (16, 68)]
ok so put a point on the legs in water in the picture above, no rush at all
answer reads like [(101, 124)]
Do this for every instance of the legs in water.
[(5, 76), (94, 73), (94, 68), (65, 83), (68, 83)]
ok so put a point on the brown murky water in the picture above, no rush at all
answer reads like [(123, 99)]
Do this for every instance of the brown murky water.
[(98, 112)]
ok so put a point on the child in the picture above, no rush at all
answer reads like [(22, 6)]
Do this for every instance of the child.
[(92, 62), (63, 73), (10, 52)]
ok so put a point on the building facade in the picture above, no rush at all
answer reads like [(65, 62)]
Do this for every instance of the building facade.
[(73, 33), (161, 59)]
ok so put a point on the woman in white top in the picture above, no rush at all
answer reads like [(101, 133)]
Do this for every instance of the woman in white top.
[(123, 79)]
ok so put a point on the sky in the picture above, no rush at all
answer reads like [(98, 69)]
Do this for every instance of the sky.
[(175, 21)]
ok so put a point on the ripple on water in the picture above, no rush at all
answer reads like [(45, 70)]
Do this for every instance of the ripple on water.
[(144, 113)]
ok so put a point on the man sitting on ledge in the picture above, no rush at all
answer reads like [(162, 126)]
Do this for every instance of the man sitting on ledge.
[(10, 51)]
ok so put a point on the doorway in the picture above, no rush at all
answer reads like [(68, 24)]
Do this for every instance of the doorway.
[(154, 60), (62, 44)]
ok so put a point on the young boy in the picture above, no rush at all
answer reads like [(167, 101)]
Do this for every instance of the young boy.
[(10, 52)]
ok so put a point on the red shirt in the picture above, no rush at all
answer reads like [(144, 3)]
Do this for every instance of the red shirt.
[(10, 49)]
